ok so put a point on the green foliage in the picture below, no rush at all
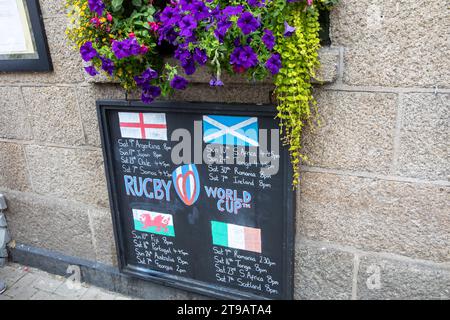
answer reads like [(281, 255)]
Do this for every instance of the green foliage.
[(296, 104), (116, 5)]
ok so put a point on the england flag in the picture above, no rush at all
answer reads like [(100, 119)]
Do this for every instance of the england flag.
[(139, 125)]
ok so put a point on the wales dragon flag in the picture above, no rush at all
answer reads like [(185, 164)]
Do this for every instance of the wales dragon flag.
[(153, 222)]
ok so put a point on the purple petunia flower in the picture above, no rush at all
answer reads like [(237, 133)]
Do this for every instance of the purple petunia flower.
[(232, 11), (187, 5), (200, 56), (215, 82), (169, 16), (178, 83), (248, 23), (189, 66), (107, 65), (273, 64), (150, 94), (125, 48), (256, 3), (187, 26), (144, 79), (269, 39), (168, 34), (87, 51), (243, 58), (288, 30), (96, 6), (91, 71), (222, 27), (199, 10)]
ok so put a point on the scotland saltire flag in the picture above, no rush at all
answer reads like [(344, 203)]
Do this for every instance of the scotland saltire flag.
[(187, 183), (230, 130)]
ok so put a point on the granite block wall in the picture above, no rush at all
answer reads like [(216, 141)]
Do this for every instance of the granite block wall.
[(373, 209)]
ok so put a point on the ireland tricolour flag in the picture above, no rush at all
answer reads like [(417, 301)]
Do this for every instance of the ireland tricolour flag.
[(236, 237)]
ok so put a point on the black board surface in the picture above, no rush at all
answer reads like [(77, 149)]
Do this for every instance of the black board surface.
[(221, 223)]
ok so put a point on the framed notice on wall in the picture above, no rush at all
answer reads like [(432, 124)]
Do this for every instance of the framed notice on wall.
[(201, 196), (23, 45)]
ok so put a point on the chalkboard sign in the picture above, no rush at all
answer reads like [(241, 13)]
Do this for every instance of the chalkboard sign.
[(201, 196)]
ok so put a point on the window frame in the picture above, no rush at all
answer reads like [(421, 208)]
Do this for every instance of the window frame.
[(43, 62)]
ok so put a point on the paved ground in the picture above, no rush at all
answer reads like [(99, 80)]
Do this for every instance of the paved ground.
[(26, 283)]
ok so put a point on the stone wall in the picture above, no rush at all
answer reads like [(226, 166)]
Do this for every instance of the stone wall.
[(373, 216)]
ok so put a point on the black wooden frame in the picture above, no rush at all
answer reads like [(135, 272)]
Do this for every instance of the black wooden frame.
[(189, 284), (43, 62)]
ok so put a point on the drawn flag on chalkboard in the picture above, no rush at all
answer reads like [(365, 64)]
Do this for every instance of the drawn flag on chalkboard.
[(230, 130), (236, 237), (141, 125), (153, 222)]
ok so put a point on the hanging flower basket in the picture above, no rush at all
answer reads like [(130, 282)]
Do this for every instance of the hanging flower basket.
[(127, 40)]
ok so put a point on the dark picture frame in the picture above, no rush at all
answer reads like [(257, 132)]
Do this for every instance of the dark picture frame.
[(104, 109), (42, 61)]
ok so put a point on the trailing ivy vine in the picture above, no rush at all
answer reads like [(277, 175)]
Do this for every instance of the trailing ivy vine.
[(293, 92)]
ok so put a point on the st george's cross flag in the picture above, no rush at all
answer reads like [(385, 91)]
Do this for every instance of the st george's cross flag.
[(141, 125), (235, 236), (230, 130)]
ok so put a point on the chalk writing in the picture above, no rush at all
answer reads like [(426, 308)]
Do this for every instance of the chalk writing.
[(252, 272), (147, 187), (228, 200), (214, 220), (159, 252)]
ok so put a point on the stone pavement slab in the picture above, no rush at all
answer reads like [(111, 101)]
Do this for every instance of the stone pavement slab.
[(25, 283)]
